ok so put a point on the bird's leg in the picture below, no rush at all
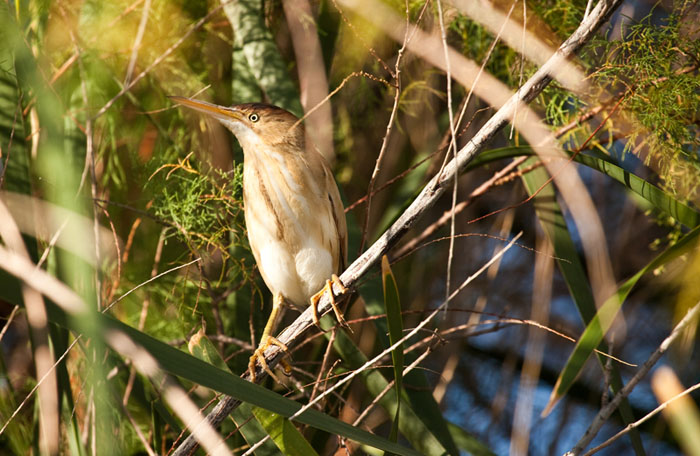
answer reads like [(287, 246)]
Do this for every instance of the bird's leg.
[(266, 340), (329, 288)]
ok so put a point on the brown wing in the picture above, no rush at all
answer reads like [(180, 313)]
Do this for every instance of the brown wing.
[(338, 217)]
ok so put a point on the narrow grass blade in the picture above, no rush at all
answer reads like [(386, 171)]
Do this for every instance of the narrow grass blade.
[(573, 271), (410, 423), (59, 340), (197, 371), (468, 442), (598, 327), (393, 318), (656, 197), (283, 433), (417, 392)]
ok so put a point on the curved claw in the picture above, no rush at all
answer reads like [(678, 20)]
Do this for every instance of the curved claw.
[(329, 288), (259, 355)]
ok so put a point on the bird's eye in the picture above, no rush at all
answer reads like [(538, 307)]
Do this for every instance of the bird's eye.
[(254, 117)]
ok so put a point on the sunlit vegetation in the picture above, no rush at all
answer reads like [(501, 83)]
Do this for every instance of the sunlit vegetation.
[(152, 289)]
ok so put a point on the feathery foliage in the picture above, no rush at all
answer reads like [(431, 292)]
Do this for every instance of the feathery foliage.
[(86, 124)]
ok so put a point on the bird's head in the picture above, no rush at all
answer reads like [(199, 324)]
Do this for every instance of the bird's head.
[(253, 124)]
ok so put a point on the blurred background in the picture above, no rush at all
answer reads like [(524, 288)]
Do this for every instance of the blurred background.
[(86, 125)]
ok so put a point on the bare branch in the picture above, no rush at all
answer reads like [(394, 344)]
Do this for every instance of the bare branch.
[(427, 198), (606, 411)]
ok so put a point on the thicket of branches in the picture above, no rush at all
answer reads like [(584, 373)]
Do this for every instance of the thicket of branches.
[(528, 308)]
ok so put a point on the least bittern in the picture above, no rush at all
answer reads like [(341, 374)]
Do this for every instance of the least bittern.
[(293, 212)]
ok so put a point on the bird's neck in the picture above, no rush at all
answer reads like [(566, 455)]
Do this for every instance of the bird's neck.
[(282, 168)]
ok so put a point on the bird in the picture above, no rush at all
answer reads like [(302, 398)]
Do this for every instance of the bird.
[(294, 216)]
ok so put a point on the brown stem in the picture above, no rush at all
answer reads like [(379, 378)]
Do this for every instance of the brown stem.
[(424, 201)]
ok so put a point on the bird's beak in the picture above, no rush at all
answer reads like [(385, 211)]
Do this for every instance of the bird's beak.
[(215, 111)]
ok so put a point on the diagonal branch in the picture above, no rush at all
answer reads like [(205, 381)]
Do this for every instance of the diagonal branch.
[(425, 200)]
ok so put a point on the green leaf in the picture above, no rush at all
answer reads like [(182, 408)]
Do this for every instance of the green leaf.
[(468, 442), (652, 194), (598, 327), (285, 435), (201, 347), (281, 430), (14, 149), (417, 390), (410, 424), (393, 317), (569, 263), (197, 371), (658, 198), (14, 161)]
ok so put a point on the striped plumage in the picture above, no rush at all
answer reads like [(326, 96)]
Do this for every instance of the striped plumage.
[(293, 211)]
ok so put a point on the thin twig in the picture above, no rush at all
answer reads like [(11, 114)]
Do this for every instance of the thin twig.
[(139, 433), (90, 163), (137, 42), (387, 134), (388, 388), (324, 363), (605, 412), (451, 333), (391, 181), (452, 147), (149, 281), (38, 384), (160, 58), (411, 333), (424, 201), (642, 420), (18, 109), (522, 60), (340, 86), (9, 321), (369, 48), (447, 215)]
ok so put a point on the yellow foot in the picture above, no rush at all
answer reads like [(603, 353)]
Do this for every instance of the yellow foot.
[(329, 288), (259, 355)]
